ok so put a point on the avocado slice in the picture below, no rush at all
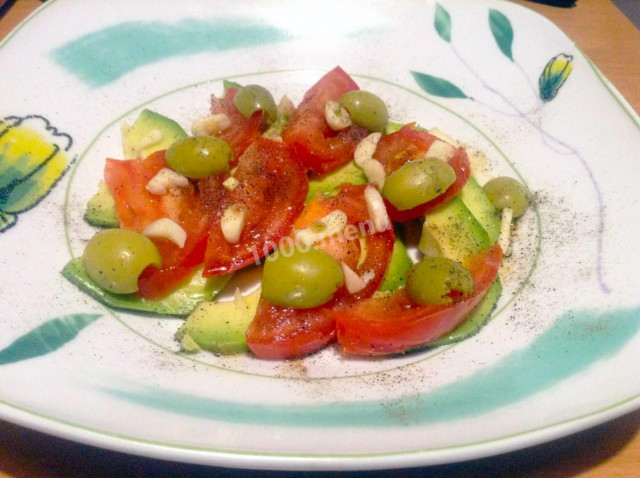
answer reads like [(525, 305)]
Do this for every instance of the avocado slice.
[(149, 122), (329, 184), (219, 327), (399, 265), (476, 320), (180, 302), (101, 209), (474, 197), (459, 234), (456, 230)]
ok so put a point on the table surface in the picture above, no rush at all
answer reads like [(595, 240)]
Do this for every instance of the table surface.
[(611, 449)]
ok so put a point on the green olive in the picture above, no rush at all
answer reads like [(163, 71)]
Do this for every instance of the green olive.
[(366, 109), (114, 258), (200, 156), (301, 280), (431, 280), (506, 192), (417, 182), (252, 98)]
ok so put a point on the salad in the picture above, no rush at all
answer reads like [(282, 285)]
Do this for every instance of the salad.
[(323, 199)]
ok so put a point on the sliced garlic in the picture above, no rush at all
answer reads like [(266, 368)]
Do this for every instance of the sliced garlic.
[(377, 210), (366, 148), (337, 116), (168, 229), (208, 125), (231, 183), (232, 222), (441, 150), (165, 179), (151, 139), (352, 281), (327, 226), (374, 171)]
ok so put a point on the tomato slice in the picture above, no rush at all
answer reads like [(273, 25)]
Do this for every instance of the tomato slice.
[(137, 208), (277, 332), (272, 187), (393, 324), (242, 131), (317, 146), (406, 144)]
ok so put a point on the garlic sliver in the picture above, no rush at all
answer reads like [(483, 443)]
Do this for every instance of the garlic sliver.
[(232, 222), (167, 229), (441, 150), (337, 116), (352, 281), (327, 226), (374, 171), (376, 208), (366, 148), (208, 125), (164, 179)]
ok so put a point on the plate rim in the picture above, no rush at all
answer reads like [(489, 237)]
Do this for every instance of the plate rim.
[(298, 461)]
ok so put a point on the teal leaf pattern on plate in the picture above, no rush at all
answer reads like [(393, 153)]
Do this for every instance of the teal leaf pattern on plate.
[(502, 32), (577, 340), (46, 338), (442, 23), (554, 75), (101, 57), (438, 86)]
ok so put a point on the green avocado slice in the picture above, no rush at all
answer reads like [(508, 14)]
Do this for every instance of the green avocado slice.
[(180, 302), (101, 208), (329, 184), (476, 320), (147, 122)]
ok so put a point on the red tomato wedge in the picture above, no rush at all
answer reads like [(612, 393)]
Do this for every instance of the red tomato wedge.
[(317, 146), (283, 332), (278, 333), (406, 144), (272, 188), (137, 208), (393, 324), (242, 131)]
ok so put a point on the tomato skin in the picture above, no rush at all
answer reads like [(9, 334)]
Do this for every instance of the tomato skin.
[(242, 131), (137, 208), (272, 187), (278, 333), (316, 146), (406, 144), (393, 324)]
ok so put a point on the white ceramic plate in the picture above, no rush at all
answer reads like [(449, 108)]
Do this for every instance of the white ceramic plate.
[(560, 353)]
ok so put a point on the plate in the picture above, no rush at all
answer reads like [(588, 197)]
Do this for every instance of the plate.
[(559, 354)]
